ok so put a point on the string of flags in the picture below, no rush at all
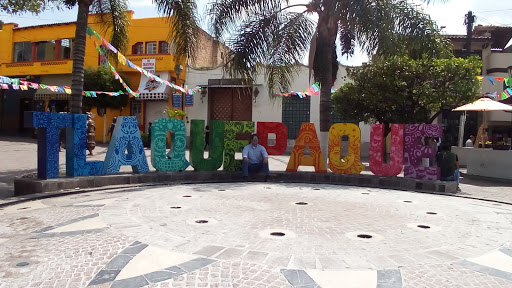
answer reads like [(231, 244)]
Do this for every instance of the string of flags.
[(19, 84), (310, 91), (113, 70), (507, 93), (122, 59)]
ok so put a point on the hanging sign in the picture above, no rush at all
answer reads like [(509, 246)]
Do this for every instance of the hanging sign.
[(176, 100), (149, 65), (189, 100)]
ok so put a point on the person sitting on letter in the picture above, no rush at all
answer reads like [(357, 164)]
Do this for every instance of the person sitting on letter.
[(255, 158)]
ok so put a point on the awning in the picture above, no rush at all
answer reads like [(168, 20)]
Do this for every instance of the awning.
[(52, 96), (153, 90)]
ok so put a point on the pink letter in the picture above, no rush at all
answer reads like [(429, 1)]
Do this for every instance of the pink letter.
[(396, 158), (415, 151)]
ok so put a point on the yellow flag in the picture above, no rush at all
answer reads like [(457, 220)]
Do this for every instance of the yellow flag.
[(68, 91), (121, 58)]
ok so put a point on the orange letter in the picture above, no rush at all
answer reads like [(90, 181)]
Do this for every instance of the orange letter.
[(307, 136)]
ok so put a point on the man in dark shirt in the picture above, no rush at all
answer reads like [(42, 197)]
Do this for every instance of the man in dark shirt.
[(449, 164)]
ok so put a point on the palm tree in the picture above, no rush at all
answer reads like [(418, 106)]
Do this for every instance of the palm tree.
[(269, 37), (182, 17)]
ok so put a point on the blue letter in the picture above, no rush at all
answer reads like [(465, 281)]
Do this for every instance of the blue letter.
[(48, 140), (126, 137), (76, 141)]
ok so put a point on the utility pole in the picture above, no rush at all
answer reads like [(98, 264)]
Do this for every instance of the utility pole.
[(469, 20)]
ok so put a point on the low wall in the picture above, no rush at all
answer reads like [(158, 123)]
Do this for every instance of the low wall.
[(463, 154), (24, 186), (490, 163)]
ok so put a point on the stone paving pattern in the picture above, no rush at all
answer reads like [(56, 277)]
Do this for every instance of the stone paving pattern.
[(320, 235), (241, 216)]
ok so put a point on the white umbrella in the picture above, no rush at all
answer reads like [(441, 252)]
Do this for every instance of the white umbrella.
[(482, 104)]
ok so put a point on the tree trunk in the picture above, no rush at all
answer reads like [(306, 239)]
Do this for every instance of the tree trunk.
[(77, 83), (324, 57)]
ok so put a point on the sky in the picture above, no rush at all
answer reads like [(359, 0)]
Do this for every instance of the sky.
[(448, 15)]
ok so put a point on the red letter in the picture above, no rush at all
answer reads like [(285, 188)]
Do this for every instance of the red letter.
[(377, 139), (264, 128)]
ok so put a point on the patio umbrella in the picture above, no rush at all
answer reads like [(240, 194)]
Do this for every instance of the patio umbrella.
[(482, 104)]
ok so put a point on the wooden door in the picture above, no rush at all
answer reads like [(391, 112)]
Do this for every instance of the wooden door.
[(230, 104)]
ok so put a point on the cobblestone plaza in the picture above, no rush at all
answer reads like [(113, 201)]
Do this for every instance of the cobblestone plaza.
[(253, 235)]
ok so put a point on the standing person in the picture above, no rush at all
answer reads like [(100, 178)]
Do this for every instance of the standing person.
[(149, 133), (112, 127), (255, 158), (470, 142), (91, 129), (206, 137), (449, 164)]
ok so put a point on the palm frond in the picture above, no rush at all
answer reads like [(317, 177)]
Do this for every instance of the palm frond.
[(380, 24), (227, 15), (182, 15), (275, 42), (114, 19)]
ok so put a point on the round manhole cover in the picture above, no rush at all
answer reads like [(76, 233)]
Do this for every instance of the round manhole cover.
[(365, 193), (175, 207), (423, 226), (22, 264), (279, 234), (407, 201), (316, 188), (201, 221), (22, 218), (432, 213), (187, 196), (221, 190), (301, 203), (23, 208), (364, 236)]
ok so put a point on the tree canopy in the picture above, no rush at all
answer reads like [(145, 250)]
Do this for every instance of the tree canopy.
[(102, 80), (403, 90)]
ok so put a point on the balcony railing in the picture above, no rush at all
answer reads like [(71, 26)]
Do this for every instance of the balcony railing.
[(37, 67)]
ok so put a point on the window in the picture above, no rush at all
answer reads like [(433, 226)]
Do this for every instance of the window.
[(137, 48), (163, 47), (295, 112), (151, 48), (45, 50), (22, 51), (66, 49)]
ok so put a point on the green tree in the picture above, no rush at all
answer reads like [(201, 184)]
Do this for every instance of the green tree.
[(271, 38), (22, 6), (404, 90), (102, 79)]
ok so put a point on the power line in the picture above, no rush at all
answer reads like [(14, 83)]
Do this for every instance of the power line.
[(488, 11)]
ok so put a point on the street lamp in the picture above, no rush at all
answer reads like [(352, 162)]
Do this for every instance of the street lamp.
[(178, 69)]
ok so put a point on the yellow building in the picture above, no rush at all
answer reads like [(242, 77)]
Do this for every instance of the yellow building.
[(43, 53)]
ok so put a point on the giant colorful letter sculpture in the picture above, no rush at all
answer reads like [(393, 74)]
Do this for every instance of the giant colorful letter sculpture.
[(415, 151), (126, 137), (351, 164), (215, 157), (278, 128), (177, 161), (396, 157), (48, 140), (76, 142), (231, 146), (307, 137)]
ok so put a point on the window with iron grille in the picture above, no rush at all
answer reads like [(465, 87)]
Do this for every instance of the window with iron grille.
[(295, 111), (137, 48), (151, 48), (163, 47)]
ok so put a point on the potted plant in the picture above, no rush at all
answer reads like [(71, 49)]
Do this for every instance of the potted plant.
[(501, 146), (175, 113)]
